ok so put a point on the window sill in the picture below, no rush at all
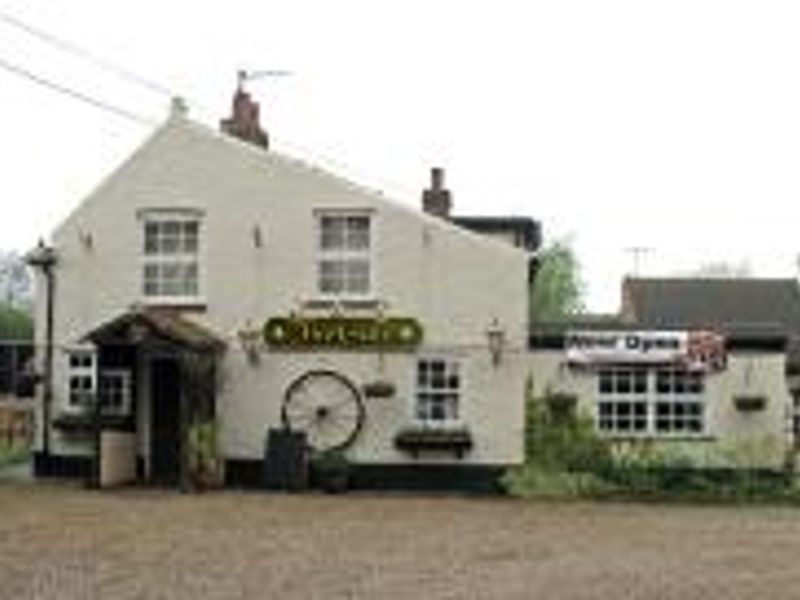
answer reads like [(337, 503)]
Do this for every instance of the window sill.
[(651, 437), (83, 422), (188, 304), (417, 439), (342, 302)]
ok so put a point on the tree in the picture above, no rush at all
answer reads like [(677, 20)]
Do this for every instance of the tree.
[(15, 325), (16, 287), (557, 290)]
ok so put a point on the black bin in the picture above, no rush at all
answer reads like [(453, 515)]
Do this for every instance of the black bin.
[(286, 460)]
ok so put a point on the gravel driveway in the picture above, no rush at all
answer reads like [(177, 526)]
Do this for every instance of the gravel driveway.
[(60, 541)]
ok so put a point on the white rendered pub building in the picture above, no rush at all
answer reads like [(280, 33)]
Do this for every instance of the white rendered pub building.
[(212, 278)]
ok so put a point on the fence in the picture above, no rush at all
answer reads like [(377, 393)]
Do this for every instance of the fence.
[(14, 365), (16, 425)]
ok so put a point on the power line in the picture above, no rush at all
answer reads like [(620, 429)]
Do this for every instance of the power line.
[(57, 87), (71, 48)]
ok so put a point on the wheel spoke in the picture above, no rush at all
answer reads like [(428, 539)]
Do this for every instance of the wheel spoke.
[(344, 417)]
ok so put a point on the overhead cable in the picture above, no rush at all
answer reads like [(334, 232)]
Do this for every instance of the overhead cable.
[(72, 48), (77, 95)]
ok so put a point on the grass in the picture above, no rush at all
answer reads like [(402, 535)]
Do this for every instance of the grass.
[(12, 454)]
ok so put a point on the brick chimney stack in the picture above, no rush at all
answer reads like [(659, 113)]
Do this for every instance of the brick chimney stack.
[(436, 200), (244, 122)]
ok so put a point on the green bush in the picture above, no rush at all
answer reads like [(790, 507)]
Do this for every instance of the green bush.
[(205, 461), (556, 440), (330, 471)]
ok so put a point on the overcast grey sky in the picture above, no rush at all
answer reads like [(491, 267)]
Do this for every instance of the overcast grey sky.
[(670, 125)]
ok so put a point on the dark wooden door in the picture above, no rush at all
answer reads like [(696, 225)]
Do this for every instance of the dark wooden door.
[(165, 430)]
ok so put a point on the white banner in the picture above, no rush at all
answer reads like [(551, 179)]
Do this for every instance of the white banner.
[(691, 349)]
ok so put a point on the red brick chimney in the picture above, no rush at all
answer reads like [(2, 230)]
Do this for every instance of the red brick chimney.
[(436, 200), (244, 121)]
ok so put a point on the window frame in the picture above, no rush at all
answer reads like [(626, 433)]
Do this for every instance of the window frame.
[(82, 371), (182, 258), (95, 374), (345, 255), (127, 391), (653, 397), (460, 393)]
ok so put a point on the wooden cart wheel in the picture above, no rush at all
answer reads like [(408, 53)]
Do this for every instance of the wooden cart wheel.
[(327, 407)]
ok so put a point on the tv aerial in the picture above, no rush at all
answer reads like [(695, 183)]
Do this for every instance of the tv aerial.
[(244, 75)]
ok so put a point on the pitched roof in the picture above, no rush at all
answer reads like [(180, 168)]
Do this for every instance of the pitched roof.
[(743, 305), (164, 324)]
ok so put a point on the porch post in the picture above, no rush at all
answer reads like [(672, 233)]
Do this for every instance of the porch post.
[(94, 481), (184, 481)]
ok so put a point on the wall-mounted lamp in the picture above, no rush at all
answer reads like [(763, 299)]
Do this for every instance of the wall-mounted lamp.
[(251, 340), (496, 338)]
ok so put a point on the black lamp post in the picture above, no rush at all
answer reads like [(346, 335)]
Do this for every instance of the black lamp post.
[(43, 258)]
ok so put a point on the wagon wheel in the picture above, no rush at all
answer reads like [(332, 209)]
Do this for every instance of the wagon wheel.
[(327, 407)]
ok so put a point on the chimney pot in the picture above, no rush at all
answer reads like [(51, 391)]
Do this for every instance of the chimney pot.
[(436, 200), (244, 122), (178, 107), (437, 178)]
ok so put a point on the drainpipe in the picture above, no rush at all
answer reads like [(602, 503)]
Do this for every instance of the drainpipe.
[(44, 258)]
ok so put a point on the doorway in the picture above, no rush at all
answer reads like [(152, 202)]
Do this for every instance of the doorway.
[(165, 421)]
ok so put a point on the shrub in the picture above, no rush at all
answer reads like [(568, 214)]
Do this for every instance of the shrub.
[(205, 463), (331, 471), (565, 457)]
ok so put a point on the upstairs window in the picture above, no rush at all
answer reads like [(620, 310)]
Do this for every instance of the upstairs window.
[(171, 249), (344, 247)]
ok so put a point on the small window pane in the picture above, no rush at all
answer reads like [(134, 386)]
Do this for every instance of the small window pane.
[(606, 382), (332, 232), (357, 233)]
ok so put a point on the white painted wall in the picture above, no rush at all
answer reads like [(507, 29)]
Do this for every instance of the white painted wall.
[(453, 281)]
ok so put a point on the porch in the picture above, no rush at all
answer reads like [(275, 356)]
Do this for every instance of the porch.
[(155, 375)]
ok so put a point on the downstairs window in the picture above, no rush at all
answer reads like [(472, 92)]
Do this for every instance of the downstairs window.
[(656, 401)]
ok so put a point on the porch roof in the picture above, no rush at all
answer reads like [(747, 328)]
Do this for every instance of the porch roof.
[(159, 323)]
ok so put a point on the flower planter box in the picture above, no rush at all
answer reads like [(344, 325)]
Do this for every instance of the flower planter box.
[(428, 439), (750, 403), (84, 422), (378, 389)]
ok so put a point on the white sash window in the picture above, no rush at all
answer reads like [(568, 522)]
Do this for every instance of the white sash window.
[(171, 256), (344, 254)]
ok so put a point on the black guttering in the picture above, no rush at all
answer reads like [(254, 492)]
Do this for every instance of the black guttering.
[(529, 230), (44, 258)]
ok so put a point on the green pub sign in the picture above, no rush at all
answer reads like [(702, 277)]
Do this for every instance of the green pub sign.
[(345, 333)]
